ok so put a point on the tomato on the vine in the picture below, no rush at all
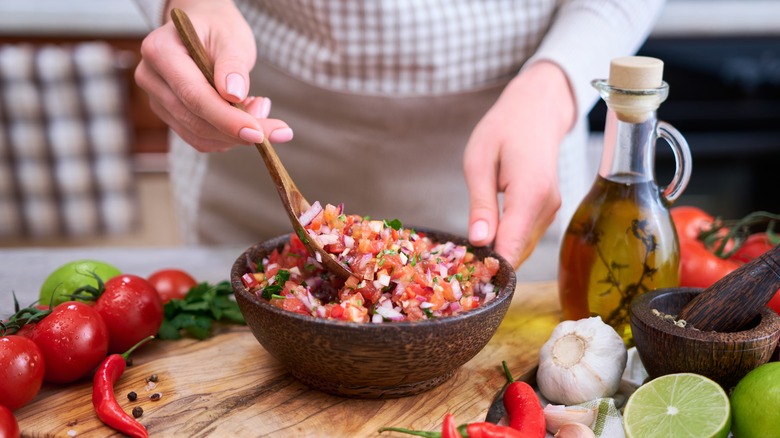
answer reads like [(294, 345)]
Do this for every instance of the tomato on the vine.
[(131, 309), (172, 283), (73, 339), (755, 245), (21, 371), (9, 428), (710, 248), (699, 267)]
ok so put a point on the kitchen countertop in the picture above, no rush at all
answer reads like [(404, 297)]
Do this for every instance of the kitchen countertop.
[(228, 385), (122, 18)]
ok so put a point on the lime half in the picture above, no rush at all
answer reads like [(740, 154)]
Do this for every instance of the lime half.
[(678, 405)]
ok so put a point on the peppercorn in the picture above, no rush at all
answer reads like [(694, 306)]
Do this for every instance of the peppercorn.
[(152, 378), (132, 396), (138, 411), (156, 396)]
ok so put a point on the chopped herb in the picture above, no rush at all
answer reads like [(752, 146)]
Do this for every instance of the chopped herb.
[(343, 217), (280, 278), (394, 224), (428, 312)]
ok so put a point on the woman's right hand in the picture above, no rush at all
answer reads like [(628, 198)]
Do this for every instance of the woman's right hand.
[(182, 97)]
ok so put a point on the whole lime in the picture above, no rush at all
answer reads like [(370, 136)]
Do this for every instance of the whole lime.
[(754, 403), (65, 280)]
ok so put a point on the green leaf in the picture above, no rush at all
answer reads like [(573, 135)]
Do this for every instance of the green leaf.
[(394, 224), (168, 331), (194, 315)]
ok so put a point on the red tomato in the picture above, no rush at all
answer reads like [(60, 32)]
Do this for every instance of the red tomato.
[(21, 371), (172, 283), (132, 310), (9, 428), (73, 340), (689, 221), (701, 268), (755, 245)]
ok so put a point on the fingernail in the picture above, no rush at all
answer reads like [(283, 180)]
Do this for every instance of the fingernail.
[(479, 231), (282, 135), (236, 86), (250, 135), (265, 108)]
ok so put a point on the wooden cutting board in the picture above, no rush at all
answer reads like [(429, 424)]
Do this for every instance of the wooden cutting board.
[(228, 385)]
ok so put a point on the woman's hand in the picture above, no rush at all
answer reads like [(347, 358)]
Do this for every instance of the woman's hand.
[(182, 97), (514, 150)]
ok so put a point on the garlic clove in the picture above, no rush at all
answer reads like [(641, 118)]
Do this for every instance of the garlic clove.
[(575, 430), (556, 416)]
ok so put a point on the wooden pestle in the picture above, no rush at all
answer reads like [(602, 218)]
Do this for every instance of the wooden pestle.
[(736, 299)]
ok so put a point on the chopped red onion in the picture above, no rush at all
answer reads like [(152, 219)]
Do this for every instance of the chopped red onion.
[(456, 290), (308, 215)]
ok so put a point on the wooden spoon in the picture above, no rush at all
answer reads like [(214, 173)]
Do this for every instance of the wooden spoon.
[(292, 199), (736, 299)]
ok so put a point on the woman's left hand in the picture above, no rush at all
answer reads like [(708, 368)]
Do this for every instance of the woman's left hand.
[(514, 150)]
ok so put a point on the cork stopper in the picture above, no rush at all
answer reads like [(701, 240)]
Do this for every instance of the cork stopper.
[(633, 74), (636, 73)]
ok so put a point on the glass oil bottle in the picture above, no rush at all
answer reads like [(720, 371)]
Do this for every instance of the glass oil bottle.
[(621, 241)]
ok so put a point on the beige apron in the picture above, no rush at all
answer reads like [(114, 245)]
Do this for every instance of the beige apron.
[(385, 157)]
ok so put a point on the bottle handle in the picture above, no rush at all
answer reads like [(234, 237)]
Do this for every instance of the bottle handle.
[(682, 160)]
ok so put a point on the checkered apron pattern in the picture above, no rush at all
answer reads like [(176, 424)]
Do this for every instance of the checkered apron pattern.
[(399, 47), (65, 168)]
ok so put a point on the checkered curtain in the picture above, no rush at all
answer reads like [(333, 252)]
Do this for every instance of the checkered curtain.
[(65, 167)]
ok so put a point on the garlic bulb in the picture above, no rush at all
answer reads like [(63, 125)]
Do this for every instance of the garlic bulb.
[(583, 360)]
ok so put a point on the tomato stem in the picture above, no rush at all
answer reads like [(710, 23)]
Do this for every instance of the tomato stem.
[(737, 232)]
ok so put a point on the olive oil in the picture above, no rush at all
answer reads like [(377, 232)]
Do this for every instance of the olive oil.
[(620, 243), (621, 240)]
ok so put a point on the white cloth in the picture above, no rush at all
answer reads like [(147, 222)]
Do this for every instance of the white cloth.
[(382, 97)]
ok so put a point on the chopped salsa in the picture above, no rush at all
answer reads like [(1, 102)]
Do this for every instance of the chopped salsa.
[(399, 274)]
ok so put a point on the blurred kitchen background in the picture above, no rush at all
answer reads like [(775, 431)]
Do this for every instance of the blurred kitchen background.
[(82, 158)]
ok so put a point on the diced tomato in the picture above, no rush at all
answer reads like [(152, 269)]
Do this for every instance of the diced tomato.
[(336, 311), (249, 280), (293, 305)]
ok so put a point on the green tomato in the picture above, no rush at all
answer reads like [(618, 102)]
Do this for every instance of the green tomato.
[(63, 282)]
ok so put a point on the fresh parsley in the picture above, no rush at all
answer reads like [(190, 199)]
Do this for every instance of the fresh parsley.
[(195, 313)]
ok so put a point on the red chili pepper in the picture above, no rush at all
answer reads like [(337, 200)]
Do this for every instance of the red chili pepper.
[(490, 430), (472, 430), (524, 409), (448, 427), (106, 406)]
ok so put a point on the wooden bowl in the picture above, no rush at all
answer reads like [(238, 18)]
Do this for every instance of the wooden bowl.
[(365, 360), (665, 348)]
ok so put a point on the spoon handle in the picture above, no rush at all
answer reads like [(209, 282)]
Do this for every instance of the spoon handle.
[(735, 300), (284, 184)]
